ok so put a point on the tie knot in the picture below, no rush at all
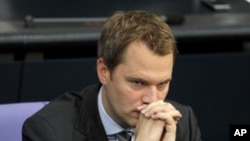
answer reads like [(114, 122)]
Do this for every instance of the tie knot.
[(124, 135)]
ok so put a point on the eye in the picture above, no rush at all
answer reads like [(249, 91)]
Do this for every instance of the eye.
[(137, 83), (164, 84)]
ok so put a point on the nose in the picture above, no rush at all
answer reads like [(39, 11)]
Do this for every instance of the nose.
[(149, 95)]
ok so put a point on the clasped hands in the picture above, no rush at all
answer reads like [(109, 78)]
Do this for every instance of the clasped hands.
[(157, 122)]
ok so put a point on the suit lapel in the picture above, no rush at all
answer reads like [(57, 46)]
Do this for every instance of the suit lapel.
[(88, 123)]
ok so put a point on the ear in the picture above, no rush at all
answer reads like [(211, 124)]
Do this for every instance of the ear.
[(102, 71)]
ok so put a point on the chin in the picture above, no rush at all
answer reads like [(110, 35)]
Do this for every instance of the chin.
[(132, 124), (135, 115), (134, 119)]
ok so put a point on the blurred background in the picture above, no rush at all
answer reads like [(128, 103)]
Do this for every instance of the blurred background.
[(49, 47)]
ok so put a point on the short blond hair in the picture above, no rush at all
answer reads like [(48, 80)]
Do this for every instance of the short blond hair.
[(122, 28)]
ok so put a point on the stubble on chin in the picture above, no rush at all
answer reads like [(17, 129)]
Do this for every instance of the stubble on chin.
[(134, 119)]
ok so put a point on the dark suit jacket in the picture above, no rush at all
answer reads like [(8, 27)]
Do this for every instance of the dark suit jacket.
[(75, 117)]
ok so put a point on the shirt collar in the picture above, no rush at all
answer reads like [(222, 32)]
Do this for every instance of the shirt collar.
[(110, 126)]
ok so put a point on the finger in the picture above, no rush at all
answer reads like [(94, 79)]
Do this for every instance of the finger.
[(169, 117), (149, 128), (156, 107), (151, 106), (160, 104), (141, 107)]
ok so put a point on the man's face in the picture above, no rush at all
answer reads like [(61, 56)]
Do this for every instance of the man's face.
[(141, 78)]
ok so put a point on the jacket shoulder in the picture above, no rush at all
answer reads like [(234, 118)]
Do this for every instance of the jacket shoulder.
[(187, 126)]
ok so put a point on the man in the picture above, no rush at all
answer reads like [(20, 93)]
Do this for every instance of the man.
[(136, 54)]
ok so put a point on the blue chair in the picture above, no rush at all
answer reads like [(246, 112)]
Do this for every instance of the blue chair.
[(12, 117)]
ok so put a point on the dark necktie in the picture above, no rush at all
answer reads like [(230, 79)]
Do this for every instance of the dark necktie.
[(124, 136)]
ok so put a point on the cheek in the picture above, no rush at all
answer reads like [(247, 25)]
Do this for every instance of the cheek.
[(129, 96), (164, 94)]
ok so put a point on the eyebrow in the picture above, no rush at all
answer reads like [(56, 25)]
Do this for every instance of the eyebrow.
[(168, 80), (144, 81)]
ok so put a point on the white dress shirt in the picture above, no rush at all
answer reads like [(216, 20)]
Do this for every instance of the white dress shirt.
[(110, 126)]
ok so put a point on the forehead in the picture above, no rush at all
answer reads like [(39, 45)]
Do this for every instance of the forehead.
[(139, 51), (140, 61)]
